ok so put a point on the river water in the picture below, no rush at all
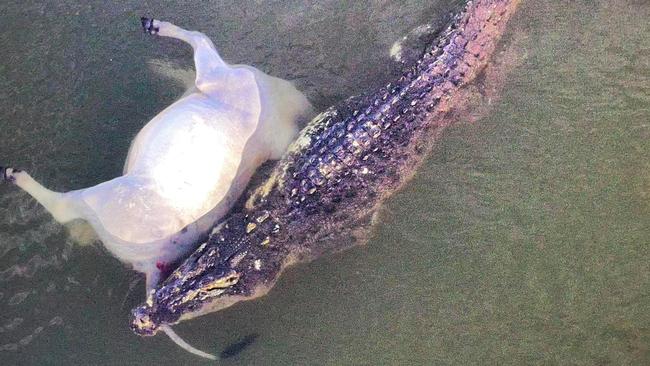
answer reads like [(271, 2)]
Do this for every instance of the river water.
[(523, 238)]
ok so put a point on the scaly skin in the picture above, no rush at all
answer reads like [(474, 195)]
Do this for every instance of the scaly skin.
[(344, 164)]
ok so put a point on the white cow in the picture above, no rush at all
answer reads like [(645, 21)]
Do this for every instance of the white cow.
[(188, 165)]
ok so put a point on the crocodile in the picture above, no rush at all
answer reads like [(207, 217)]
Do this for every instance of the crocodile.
[(344, 164)]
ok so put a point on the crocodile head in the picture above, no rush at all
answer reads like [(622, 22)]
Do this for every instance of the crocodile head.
[(205, 280), (142, 321)]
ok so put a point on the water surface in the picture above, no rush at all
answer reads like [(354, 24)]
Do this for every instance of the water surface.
[(523, 239)]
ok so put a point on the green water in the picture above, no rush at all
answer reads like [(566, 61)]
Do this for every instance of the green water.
[(523, 239)]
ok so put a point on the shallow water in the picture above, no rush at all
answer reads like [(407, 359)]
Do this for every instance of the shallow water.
[(523, 239)]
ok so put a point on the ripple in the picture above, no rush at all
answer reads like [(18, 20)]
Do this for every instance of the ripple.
[(26, 340), (18, 298), (57, 320), (29, 269), (9, 347), (11, 325)]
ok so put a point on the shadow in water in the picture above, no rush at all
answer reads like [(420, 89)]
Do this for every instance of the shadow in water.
[(237, 347)]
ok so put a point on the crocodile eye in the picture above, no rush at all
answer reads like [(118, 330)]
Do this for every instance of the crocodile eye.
[(231, 280), (222, 282)]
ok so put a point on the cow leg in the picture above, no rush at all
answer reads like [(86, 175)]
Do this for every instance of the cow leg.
[(60, 205), (206, 57)]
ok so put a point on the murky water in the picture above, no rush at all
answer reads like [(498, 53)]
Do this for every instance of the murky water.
[(523, 239)]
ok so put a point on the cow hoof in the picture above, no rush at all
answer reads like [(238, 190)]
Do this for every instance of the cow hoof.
[(147, 25), (7, 174)]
